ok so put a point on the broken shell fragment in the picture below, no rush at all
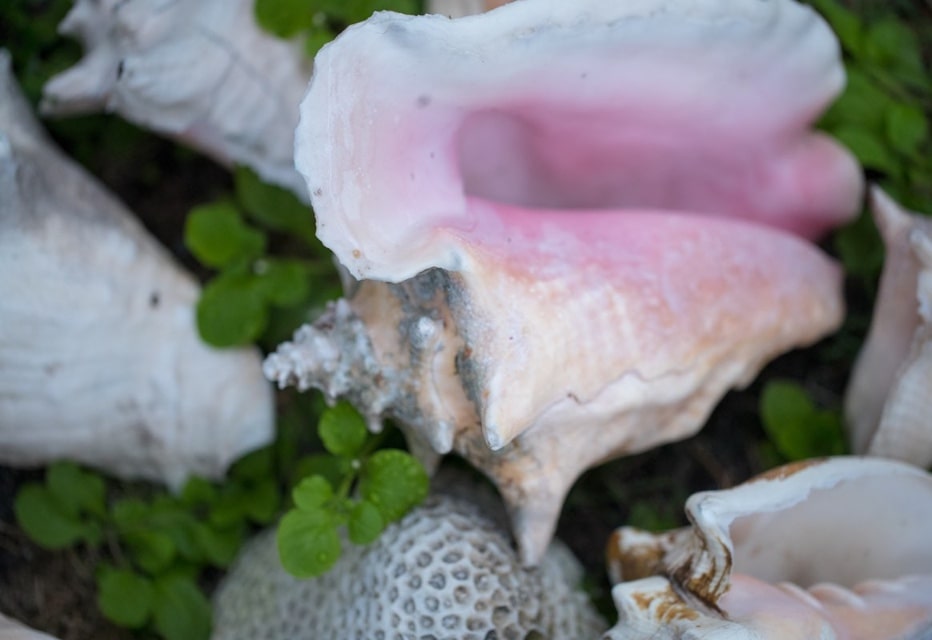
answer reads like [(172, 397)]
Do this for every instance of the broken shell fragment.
[(100, 359), (446, 570), (201, 71), (888, 403), (829, 549), (590, 216)]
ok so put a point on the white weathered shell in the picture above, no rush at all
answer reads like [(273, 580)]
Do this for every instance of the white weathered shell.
[(100, 359), (201, 71), (836, 548), (888, 403), (12, 630), (540, 324), (444, 571)]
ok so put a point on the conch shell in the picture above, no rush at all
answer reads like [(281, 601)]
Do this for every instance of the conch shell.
[(100, 359), (888, 403), (201, 71), (576, 225), (829, 549), (446, 570)]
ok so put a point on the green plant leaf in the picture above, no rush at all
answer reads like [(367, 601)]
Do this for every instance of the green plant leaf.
[(870, 149), (308, 543), (198, 491), (262, 501), (76, 489), (312, 493), (342, 430), (284, 18), (365, 523), (232, 310), (860, 248), (394, 481), (274, 207), (316, 38), (283, 282), (152, 550), (218, 237), (129, 513), (124, 597), (254, 465), (46, 522), (893, 45), (797, 428), (862, 105), (181, 610), (333, 468), (219, 546), (907, 128)]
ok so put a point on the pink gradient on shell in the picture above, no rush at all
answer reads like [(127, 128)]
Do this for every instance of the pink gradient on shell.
[(678, 106), (876, 610)]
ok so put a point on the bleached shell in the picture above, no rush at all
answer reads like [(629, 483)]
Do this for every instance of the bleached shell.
[(12, 630), (888, 403), (446, 571), (100, 359), (835, 548), (201, 71)]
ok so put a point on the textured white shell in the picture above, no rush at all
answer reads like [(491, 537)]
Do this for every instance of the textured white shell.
[(201, 71), (888, 403), (837, 548), (12, 630), (444, 571), (100, 359)]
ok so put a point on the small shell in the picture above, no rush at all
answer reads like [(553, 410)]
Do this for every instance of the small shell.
[(444, 571), (550, 302), (100, 359), (827, 549), (201, 71), (888, 404)]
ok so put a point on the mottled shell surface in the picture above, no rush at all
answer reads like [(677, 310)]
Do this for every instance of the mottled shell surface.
[(445, 571), (535, 294), (888, 403), (201, 71), (100, 359), (829, 549)]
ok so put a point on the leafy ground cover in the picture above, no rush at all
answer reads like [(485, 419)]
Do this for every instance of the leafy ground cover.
[(82, 556)]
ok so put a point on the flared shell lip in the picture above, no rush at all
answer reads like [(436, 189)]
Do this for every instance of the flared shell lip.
[(334, 151)]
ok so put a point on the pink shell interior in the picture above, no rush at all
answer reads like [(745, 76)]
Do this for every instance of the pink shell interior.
[(415, 126)]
